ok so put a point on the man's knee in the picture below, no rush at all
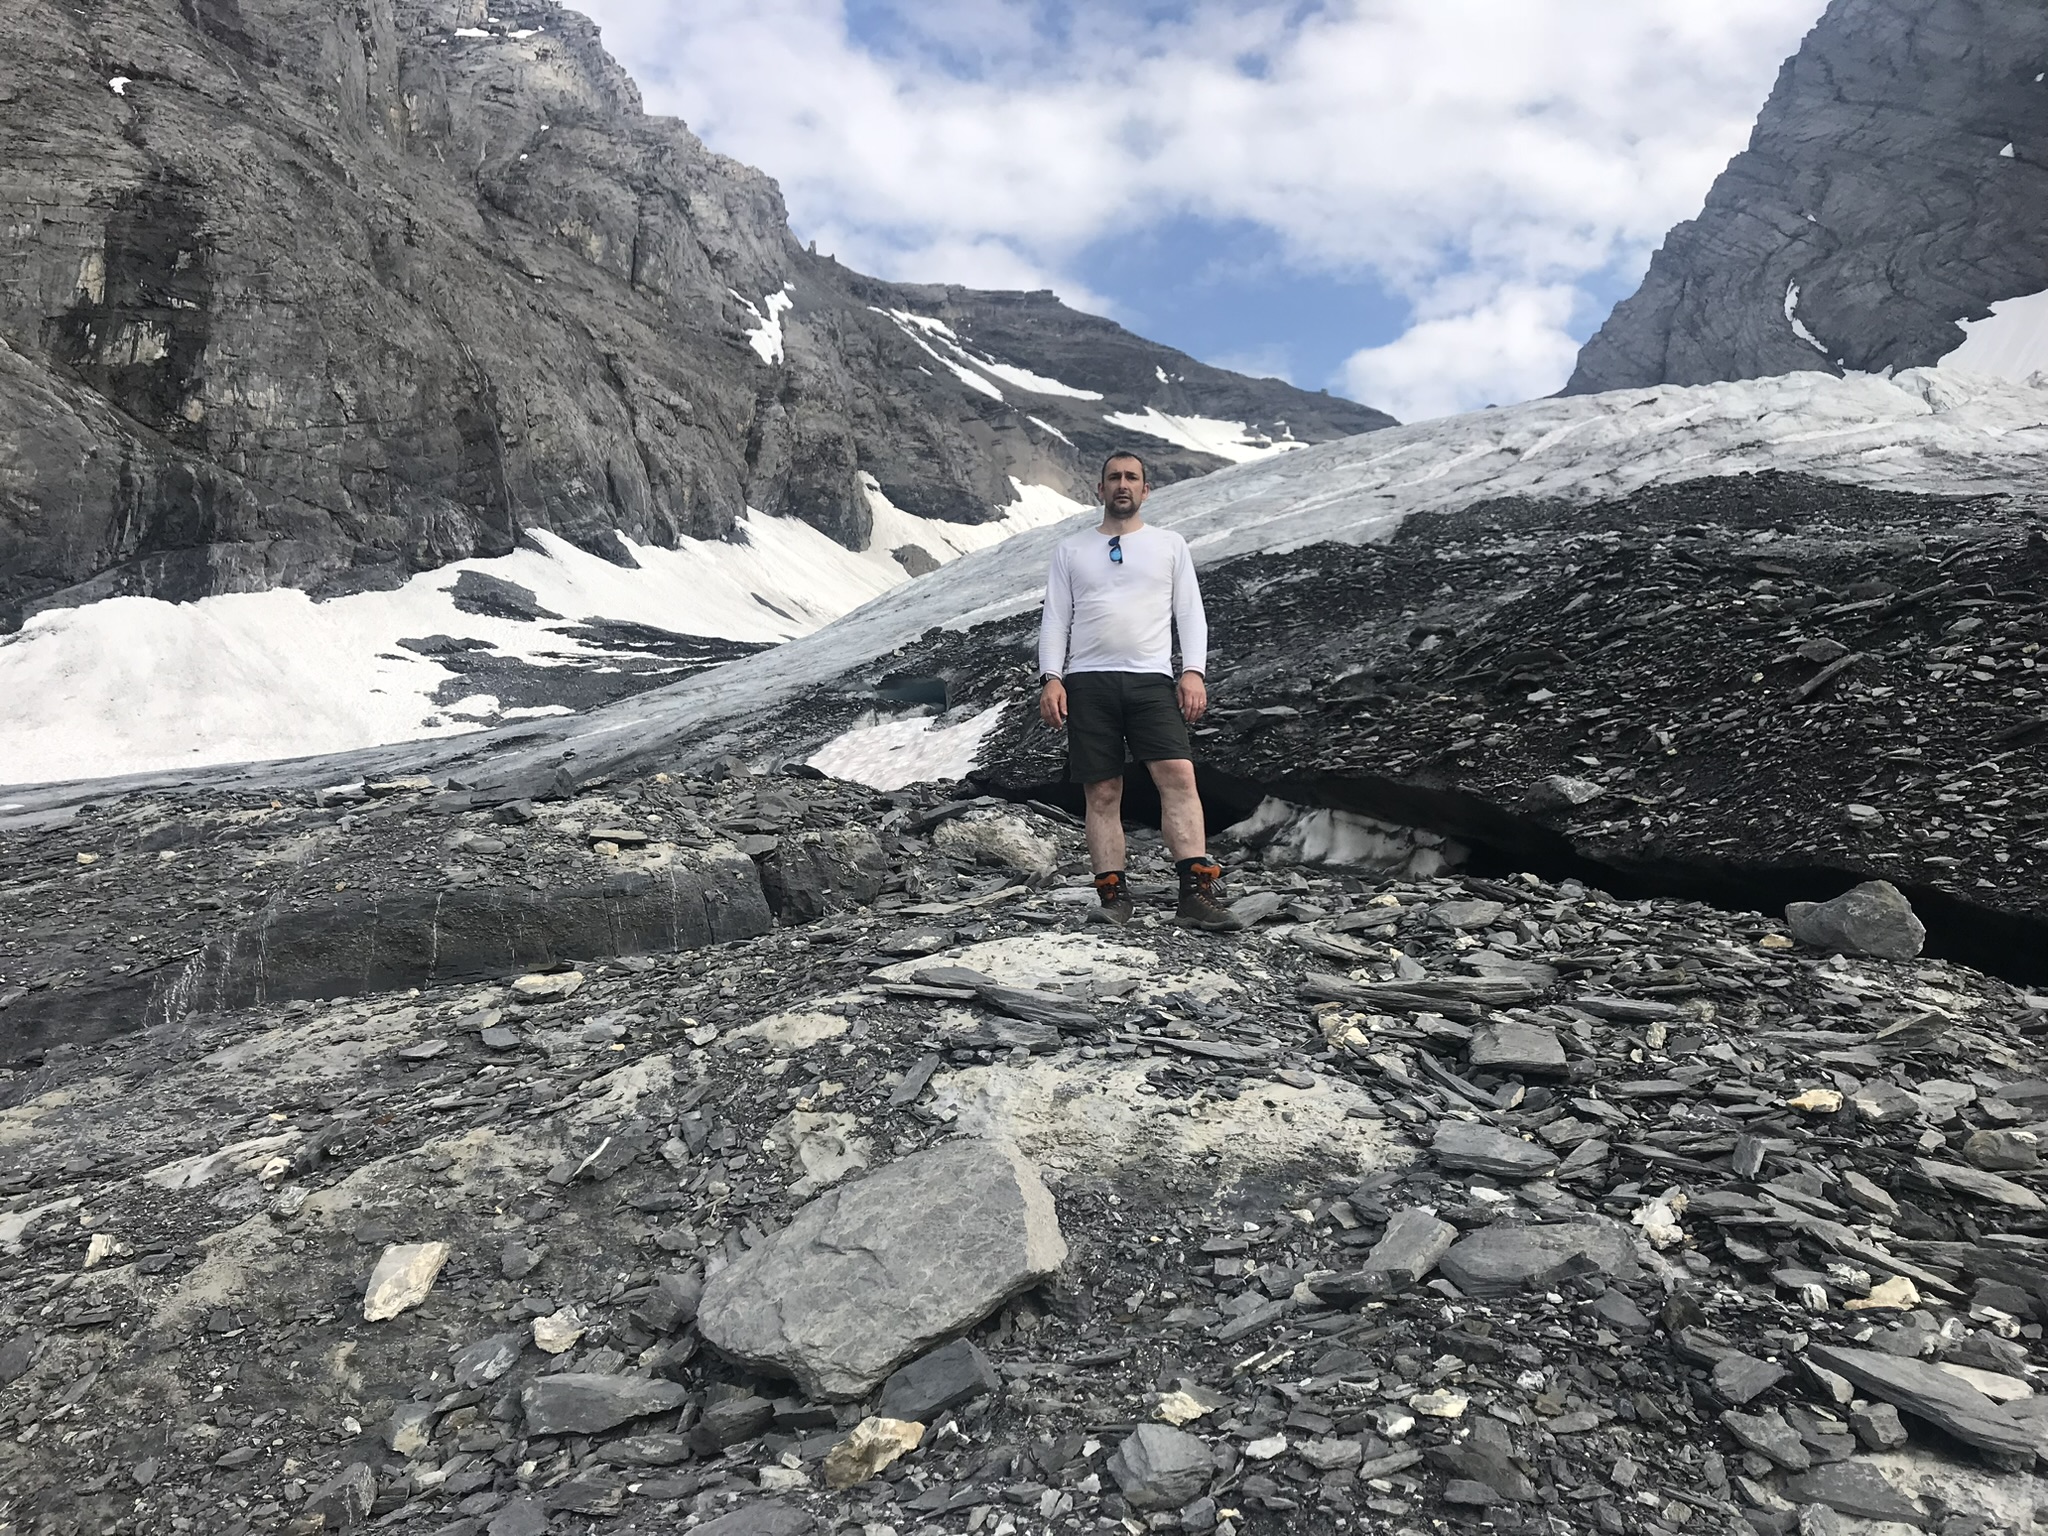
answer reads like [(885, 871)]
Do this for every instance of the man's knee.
[(1104, 794), (1174, 776)]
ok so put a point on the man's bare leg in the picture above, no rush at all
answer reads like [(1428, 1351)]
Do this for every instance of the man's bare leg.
[(1105, 824), (1180, 809), (1180, 818)]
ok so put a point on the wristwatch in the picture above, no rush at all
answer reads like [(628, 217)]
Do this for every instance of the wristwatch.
[(1047, 677)]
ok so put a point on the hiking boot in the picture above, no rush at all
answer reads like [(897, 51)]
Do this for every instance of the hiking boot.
[(1202, 898), (1117, 907)]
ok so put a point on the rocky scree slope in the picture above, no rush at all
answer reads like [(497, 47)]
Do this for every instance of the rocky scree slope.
[(1894, 186), (1751, 689), (316, 296), (1495, 1204)]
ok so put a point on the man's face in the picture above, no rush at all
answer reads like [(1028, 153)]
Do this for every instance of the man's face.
[(1123, 487)]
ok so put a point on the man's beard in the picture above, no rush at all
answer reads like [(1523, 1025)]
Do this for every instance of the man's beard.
[(1123, 509)]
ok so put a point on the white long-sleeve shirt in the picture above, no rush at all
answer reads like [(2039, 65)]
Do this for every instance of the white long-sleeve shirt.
[(1102, 615)]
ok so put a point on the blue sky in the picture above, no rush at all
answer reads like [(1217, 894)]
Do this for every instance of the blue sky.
[(1423, 204)]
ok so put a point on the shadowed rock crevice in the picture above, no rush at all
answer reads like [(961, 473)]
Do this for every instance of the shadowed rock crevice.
[(1502, 842)]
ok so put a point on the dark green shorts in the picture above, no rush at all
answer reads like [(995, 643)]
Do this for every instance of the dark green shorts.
[(1106, 710)]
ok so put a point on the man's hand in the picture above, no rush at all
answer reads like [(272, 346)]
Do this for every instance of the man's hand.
[(1052, 704), (1194, 697)]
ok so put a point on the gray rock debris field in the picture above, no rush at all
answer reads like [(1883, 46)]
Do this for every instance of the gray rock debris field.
[(1453, 1202)]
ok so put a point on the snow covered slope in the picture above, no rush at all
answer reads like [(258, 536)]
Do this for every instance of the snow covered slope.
[(133, 684), (1924, 431)]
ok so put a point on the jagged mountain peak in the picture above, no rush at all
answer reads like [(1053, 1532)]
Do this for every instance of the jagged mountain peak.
[(1891, 194)]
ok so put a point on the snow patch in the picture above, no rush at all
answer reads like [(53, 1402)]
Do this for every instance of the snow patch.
[(2006, 153), (1046, 426), (911, 325), (135, 684), (766, 336), (890, 754), (1031, 383), (1799, 327), (1231, 440), (119, 85), (969, 366), (1290, 835), (2012, 344), (471, 32)]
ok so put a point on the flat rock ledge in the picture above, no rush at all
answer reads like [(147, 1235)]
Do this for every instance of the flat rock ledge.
[(874, 1273)]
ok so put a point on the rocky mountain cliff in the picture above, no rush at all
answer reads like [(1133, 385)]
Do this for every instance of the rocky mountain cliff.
[(315, 295), (1894, 186)]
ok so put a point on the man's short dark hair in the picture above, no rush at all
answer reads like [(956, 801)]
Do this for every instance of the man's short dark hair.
[(1144, 469)]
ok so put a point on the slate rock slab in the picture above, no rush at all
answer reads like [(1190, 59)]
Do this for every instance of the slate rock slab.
[(1509, 1045), (1937, 1396), (1857, 1488), (1769, 1435), (584, 1403), (763, 1517), (871, 1274), (1159, 1467), (1977, 1184), (1739, 1377), (1415, 1240), (1874, 919), (671, 1303), (1482, 1149), (810, 874), (1501, 1259), (947, 1377)]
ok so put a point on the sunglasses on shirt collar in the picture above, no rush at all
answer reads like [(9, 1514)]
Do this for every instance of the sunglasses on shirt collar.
[(1116, 549)]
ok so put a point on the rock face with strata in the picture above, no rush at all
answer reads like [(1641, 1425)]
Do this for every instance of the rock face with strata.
[(296, 294), (1894, 185), (870, 1275)]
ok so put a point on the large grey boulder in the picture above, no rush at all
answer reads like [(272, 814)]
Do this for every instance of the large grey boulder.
[(1874, 919), (1158, 1467), (874, 1273)]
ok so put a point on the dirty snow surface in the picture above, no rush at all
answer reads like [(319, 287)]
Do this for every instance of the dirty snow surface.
[(1924, 430), (135, 684), (1921, 431)]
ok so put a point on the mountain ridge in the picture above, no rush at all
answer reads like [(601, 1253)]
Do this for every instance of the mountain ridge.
[(324, 298)]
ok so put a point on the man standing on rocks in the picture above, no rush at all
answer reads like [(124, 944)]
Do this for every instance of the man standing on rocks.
[(1113, 598)]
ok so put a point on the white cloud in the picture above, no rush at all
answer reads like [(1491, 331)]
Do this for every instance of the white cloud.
[(1506, 348), (1530, 145)]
